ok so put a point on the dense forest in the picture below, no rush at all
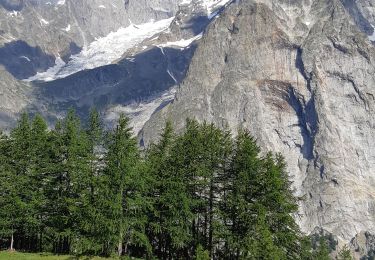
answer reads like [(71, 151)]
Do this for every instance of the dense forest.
[(200, 194)]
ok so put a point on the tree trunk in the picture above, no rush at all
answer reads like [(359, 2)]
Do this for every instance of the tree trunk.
[(119, 249), (12, 242), (211, 217)]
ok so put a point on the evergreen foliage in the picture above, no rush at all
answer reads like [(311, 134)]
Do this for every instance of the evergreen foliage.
[(345, 254), (199, 194)]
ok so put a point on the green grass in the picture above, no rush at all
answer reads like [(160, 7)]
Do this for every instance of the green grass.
[(6, 255)]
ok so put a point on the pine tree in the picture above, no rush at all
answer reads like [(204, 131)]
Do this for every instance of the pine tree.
[(281, 205), (345, 254), (20, 163), (68, 177), (245, 170), (157, 161), (322, 252), (262, 245), (10, 202), (306, 251), (39, 161), (91, 221), (125, 186), (201, 254), (261, 191)]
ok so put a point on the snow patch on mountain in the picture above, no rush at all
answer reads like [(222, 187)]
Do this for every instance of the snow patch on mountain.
[(372, 37), (67, 29), (51, 73), (43, 21), (105, 50), (181, 43), (26, 58), (185, 2), (13, 13), (213, 5)]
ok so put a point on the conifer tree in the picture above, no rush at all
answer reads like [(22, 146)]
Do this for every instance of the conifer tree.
[(39, 162), (68, 180), (306, 248), (280, 204), (20, 163), (158, 167), (201, 254), (91, 225), (345, 254), (322, 252), (262, 204), (10, 202), (125, 186)]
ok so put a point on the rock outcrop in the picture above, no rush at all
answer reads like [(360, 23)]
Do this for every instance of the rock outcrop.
[(300, 75)]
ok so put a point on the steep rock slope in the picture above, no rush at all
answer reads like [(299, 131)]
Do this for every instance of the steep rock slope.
[(300, 75), (120, 56), (14, 96)]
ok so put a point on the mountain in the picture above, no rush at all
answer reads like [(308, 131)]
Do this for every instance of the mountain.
[(97, 53), (300, 76)]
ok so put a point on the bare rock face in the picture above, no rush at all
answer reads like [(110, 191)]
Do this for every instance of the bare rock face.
[(13, 98), (300, 75)]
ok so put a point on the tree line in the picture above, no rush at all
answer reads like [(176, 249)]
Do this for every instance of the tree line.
[(200, 194)]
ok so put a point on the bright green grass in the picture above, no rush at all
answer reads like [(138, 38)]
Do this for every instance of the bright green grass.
[(6, 255)]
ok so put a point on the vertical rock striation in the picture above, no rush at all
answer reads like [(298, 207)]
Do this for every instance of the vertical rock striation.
[(300, 75)]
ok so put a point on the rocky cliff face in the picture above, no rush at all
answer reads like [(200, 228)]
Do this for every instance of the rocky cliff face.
[(300, 76), (116, 55)]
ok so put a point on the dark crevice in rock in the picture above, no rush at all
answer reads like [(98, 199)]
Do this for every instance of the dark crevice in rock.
[(322, 172), (234, 29), (364, 54), (349, 79), (301, 67), (305, 111), (339, 46), (335, 182), (298, 106)]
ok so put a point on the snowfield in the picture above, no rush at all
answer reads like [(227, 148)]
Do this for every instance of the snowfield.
[(105, 50)]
